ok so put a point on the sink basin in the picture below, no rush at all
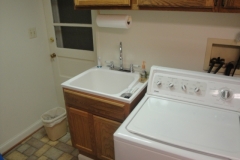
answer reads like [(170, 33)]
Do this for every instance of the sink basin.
[(103, 82)]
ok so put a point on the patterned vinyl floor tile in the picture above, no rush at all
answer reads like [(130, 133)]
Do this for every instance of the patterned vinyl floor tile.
[(40, 147)]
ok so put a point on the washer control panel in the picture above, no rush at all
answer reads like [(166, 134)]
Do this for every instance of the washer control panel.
[(197, 87), (179, 85)]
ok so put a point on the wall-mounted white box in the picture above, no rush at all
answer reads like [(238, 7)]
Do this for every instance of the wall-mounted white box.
[(225, 49)]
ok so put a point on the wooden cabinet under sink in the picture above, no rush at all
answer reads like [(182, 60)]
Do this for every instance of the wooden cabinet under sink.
[(93, 120)]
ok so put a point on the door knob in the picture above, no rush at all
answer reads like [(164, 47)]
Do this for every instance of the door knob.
[(53, 55), (51, 39)]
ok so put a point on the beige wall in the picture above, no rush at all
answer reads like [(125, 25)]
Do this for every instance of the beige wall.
[(26, 75), (171, 39)]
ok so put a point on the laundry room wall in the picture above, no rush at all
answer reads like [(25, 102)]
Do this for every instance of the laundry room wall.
[(166, 38), (26, 75)]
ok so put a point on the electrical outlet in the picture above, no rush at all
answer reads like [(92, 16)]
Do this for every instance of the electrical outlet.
[(32, 32)]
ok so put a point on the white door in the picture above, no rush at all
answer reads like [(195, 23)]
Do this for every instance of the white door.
[(71, 38)]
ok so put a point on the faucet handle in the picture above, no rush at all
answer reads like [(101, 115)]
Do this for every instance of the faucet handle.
[(110, 64), (132, 66)]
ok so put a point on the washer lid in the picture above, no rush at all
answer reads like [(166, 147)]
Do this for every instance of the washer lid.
[(189, 126)]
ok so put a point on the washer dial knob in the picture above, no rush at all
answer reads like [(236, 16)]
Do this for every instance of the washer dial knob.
[(225, 94), (170, 85), (159, 83), (196, 90), (184, 87)]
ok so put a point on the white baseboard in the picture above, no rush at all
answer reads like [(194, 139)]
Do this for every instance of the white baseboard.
[(19, 137)]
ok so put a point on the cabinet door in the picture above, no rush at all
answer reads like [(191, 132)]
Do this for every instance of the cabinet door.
[(82, 131), (177, 3), (104, 130), (231, 4), (82, 3)]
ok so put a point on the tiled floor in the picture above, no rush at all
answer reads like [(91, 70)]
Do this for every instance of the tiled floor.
[(39, 147)]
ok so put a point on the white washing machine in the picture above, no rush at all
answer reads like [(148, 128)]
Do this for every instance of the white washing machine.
[(184, 115)]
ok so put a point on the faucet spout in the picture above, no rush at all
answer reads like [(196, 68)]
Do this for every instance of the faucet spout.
[(121, 57)]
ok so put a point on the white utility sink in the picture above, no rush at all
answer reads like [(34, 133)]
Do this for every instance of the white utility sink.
[(106, 82)]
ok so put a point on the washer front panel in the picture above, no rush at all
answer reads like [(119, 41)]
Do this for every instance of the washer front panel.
[(202, 88)]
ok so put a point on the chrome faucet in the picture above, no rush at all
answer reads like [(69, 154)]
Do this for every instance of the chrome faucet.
[(121, 57), (121, 68)]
